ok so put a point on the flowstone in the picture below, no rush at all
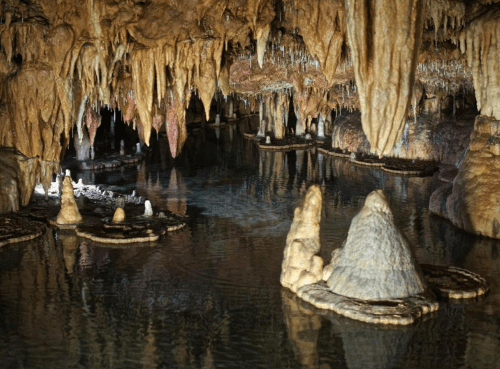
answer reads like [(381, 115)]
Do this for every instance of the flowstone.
[(373, 277)]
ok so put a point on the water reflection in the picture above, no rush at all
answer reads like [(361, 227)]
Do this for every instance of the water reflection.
[(209, 295)]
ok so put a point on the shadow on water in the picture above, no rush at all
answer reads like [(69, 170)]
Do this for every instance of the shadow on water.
[(209, 295)]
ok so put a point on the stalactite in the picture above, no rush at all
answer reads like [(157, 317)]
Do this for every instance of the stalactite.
[(483, 54), (384, 64)]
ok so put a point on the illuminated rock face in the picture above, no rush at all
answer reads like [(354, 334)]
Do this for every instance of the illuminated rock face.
[(301, 265), (471, 201), (17, 179), (376, 261), (384, 37)]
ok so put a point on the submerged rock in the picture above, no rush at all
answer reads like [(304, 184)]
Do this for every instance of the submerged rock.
[(376, 261)]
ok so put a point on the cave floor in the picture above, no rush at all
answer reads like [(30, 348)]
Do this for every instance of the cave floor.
[(209, 294)]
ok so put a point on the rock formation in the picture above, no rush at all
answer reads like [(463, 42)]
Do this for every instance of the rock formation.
[(373, 276), (471, 201), (17, 179), (384, 38), (376, 260), (301, 265), (119, 215), (69, 213)]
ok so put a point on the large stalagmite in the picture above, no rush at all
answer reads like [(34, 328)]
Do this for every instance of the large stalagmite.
[(376, 261), (384, 37)]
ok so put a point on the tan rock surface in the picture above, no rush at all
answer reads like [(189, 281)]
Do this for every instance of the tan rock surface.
[(301, 265), (17, 179), (119, 215)]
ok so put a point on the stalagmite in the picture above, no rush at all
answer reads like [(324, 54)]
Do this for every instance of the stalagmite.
[(69, 213), (301, 265), (384, 38)]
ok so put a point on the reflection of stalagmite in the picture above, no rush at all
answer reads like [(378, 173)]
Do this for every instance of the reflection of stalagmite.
[(70, 245), (373, 348), (303, 327), (176, 198), (69, 213), (301, 265), (384, 37)]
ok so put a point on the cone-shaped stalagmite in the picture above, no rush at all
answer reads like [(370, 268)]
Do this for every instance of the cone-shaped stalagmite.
[(69, 213), (376, 261), (384, 37)]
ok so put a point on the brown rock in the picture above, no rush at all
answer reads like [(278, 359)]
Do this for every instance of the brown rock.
[(17, 179)]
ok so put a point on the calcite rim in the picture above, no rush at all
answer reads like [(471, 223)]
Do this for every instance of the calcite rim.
[(30, 229), (468, 285), (145, 229), (402, 311)]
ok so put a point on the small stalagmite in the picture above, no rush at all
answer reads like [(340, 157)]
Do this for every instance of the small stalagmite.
[(119, 215), (69, 213)]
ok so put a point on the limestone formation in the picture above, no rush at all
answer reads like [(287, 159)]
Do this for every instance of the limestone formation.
[(69, 213), (384, 38), (301, 265), (376, 260), (119, 215), (471, 201), (17, 179), (373, 276)]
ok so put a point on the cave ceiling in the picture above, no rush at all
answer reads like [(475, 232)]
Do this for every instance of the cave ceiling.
[(62, 61)]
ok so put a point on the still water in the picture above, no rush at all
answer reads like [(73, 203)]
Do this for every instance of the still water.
[(208, 296)]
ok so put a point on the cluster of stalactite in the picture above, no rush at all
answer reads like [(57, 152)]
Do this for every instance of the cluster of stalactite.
[(62, 61)]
